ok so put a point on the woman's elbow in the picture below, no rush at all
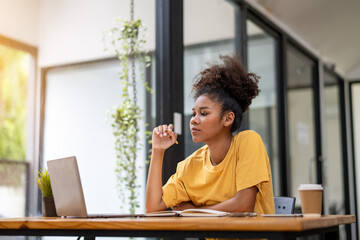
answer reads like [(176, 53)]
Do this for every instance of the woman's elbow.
[(149, 209), (247, 208), (153, 207)]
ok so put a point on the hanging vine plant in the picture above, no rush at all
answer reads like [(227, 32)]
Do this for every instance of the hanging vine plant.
[(127, 38)]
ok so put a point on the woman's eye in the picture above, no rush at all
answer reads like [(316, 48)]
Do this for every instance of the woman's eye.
[(193, 115), (203, 114)]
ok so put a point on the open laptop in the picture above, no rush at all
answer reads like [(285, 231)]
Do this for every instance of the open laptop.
[(67, 190)]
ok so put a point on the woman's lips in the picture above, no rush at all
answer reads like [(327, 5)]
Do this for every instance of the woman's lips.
[(194, 130)]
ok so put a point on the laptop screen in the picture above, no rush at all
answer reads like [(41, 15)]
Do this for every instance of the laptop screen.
[(66, 186)]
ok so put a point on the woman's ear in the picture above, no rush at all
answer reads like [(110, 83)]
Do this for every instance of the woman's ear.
[(228, 118)]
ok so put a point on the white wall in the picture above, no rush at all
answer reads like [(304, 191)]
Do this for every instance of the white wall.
[(71, 31), (77, 100), (354, 74), (206, 21), (19, 20)]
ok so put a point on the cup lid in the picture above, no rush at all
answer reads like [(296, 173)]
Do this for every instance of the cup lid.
[(310, 187)]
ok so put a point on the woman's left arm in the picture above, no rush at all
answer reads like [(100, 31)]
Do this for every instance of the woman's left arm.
[(243, 201)]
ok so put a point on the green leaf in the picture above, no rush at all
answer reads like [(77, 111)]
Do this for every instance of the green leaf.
[(126, 38)]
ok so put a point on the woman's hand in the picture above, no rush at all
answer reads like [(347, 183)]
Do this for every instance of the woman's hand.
[(163, 137), (183, 206)]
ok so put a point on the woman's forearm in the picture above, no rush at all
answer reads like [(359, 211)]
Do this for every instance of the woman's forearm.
[(243, 201), (154, 200)]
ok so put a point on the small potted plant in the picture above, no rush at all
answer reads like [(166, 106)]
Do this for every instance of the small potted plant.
[(44, 184)]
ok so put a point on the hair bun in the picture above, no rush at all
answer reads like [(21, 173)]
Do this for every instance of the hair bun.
[(231, 76)]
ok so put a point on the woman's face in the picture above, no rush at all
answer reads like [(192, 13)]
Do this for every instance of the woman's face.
[(206, 122)]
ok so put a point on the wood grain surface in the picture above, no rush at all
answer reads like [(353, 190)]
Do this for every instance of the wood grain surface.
[(180, 223)]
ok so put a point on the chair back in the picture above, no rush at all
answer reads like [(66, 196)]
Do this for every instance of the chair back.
[(284, 205)]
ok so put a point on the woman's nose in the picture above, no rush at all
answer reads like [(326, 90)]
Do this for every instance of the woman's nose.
[(194, 120)]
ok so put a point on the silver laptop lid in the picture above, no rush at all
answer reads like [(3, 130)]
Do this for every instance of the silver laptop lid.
[(66, 187)]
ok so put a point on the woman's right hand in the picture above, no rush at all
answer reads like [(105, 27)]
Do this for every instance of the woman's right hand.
[(163, 137)]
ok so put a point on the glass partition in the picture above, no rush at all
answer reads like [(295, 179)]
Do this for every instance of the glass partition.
[(355, 102), (205, 38), (301, 119), (333, 164), (195, 59), (14, 77), (263, 110), (15, 73), (77, 122)]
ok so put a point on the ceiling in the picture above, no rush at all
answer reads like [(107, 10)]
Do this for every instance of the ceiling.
[(330, 27)]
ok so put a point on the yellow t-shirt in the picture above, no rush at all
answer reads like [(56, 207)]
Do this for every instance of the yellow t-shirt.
[(245, 165)]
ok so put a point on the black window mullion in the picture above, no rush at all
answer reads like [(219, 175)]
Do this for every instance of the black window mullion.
[(241, 45), (318, 119), (352, 161), (346, 170), (283, 129), (169, 75)]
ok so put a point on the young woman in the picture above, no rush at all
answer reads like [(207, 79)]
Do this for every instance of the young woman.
[(231, 172)]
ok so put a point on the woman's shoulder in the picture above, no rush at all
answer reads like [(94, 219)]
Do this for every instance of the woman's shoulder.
[(196, 157), (248, 140), (247, 134)]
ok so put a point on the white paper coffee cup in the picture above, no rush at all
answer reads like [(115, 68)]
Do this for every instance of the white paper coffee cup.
[(311, 199)]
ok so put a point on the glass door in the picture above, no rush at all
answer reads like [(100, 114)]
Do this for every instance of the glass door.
[(263, 119), (203, 46), (195, 59), (333, 166), (301, 120), (79, 100), (355, 112)]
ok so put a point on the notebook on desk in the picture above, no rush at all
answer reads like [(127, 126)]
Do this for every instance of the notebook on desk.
[(67, 190)]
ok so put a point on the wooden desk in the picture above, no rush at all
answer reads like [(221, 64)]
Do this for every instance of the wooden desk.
[(225, 227)]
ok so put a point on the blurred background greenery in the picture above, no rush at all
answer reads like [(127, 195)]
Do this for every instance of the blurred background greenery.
[(14, 74)]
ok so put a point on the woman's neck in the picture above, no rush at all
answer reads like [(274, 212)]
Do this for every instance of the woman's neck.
[(219, 148)]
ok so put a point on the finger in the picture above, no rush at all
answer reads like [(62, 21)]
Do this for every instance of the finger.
[(164, 129), (173, 136), (159, 129), (170, 132), (171, 127), (156, 130)]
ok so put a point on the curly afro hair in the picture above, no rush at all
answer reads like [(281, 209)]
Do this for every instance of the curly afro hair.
[(230, 85)]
